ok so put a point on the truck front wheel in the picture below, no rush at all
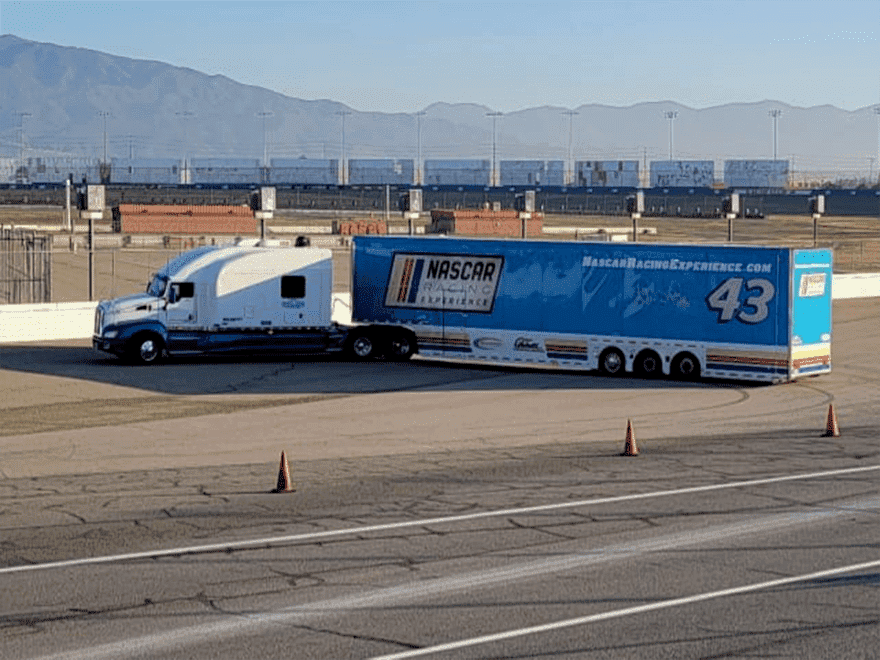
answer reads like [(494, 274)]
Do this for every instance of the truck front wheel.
[(612, 362), (362, 345), (146, 348)]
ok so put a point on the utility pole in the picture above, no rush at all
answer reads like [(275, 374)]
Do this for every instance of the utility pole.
[(570, 175), (493, 180), (775, 113), (343, 114), (419, 115), (670, 115)]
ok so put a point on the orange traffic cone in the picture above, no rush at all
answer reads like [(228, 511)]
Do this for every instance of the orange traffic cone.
[(630, 449), (285, 485), (831, 428)]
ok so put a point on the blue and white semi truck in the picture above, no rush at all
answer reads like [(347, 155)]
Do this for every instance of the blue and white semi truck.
[(242, 299), (740, 312)]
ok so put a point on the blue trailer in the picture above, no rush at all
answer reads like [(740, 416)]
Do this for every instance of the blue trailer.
[(719, 311)]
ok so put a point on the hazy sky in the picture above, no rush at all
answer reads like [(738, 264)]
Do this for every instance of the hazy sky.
[(403, 56)]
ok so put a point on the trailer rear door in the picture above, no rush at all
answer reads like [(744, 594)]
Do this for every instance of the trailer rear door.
[(812, 273)]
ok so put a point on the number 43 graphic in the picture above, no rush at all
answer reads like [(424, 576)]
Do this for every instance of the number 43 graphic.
[(725, 300)]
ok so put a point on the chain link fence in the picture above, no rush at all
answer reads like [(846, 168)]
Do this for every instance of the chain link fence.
[(25, 266), (32, 271)]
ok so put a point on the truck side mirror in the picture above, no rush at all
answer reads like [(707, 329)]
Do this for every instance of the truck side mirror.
[(172, 294)]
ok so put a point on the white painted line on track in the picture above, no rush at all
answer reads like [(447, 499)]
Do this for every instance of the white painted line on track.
[(316, 536), (638, 609), (159, 644)]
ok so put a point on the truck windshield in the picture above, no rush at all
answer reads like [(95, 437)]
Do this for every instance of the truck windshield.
[(157, 285)]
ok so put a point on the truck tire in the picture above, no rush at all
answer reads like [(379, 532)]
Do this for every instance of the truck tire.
[(362, 345), (686, 366), (401, 346), (648, 364), (146, 348), (612, 362)]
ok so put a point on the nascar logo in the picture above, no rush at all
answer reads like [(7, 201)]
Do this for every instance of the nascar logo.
[(447, 282)]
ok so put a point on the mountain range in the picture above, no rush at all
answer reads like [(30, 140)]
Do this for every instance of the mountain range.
[(65, 102)]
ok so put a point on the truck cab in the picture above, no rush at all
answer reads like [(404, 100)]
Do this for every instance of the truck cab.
[(225, 299)]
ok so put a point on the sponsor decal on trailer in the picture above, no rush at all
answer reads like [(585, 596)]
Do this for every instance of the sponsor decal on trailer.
[(528, 345), (444, 282), (812, 285), (487, 343)]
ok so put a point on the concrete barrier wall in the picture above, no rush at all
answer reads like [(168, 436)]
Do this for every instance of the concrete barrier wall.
[(37, 322), (40, 322), (856, 286)]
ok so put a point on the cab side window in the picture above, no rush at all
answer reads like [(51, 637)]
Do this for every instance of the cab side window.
[(293, 286), (181, 290)]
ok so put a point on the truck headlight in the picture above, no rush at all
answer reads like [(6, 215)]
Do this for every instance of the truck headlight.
[(110, 334)]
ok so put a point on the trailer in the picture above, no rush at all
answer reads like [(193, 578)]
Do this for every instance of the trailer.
[(687, 311), (718, 311)]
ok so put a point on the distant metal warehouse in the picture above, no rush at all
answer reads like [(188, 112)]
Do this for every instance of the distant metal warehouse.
[(458, 172), (380, 171)]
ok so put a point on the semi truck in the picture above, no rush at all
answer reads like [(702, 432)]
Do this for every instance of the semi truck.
[(687, 311)]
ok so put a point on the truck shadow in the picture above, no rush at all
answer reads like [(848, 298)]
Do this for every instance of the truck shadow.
[(308, 375)]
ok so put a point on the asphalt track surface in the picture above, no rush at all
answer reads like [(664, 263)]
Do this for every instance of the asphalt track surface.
[(414, 525)]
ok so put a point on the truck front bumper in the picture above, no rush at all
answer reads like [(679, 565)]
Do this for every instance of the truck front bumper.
[(104, 345)]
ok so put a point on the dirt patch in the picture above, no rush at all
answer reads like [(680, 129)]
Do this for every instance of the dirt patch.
[(92, 413)]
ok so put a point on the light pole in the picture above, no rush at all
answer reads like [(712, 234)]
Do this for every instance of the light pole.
[(570, 176), (104, 114), (343, 114), (775, 113), (877, 112), (670, 115), (870, 169), (265, 114), (186, 114), (419, 115), (21, 116), (493, 181)]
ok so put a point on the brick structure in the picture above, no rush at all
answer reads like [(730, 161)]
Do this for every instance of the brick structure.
[(183, 219), (485, 222), (349, 227)]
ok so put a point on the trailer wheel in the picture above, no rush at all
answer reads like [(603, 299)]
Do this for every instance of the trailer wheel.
[(686, 366), (146, 348), (648, 364), (401, 346), (612, 362), (362, 345)]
